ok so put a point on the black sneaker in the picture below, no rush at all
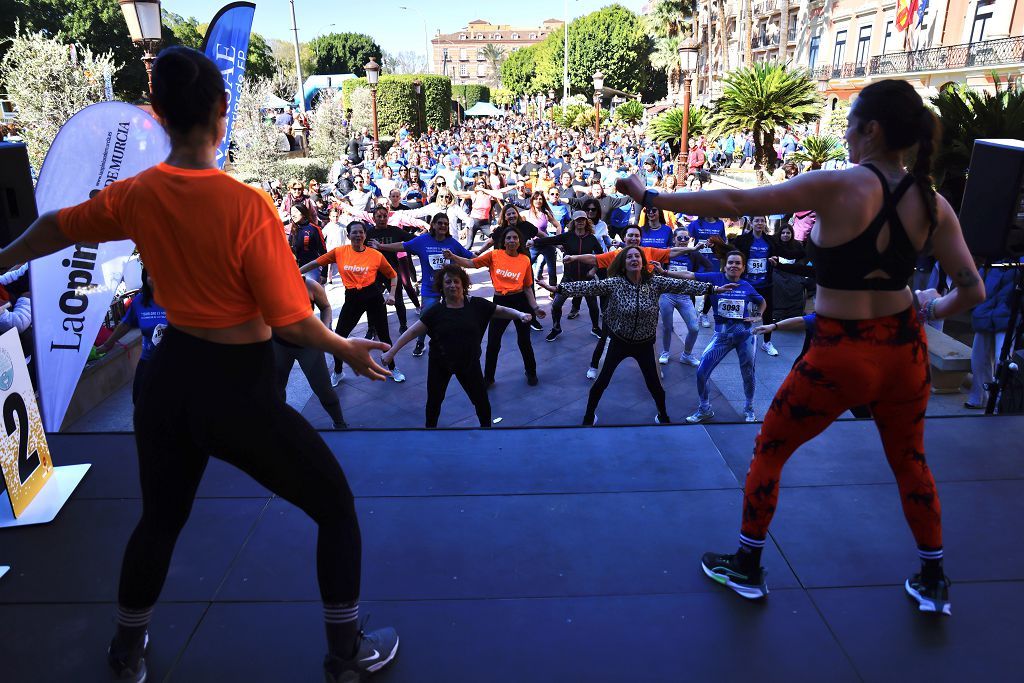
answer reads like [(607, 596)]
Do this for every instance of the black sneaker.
[(726, 570), (532, 380), (573, 314), (553, 334), (402, 329), (128, 664), (931, 596), (535, 324), (596, 331), (418, 350), (376, 650), (370, 333)]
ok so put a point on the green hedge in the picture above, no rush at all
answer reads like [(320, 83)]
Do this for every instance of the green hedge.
[(468, 95), (306, 169), (397, 102)]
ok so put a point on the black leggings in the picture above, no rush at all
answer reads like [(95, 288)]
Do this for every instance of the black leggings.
[(619, 350), (314, 367), (496, 328), (479, 225), (204, 399), (558, 300), (595, 359), (766, 317), (439, 374), (139, 383), (404, 283), (370, 301)]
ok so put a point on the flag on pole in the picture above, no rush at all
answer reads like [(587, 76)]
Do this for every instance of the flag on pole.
[(920, 12), (905, 10), (227, 45)]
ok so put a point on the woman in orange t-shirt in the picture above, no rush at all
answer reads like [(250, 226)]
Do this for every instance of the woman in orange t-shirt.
[(359, 266), (225, 277), (512, 276)]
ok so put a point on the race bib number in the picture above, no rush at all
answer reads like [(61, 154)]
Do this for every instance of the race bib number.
[(437, 261), (730, 308), (757, 266), (674, 268)]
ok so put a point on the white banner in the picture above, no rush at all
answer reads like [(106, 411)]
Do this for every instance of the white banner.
[(72, 289)]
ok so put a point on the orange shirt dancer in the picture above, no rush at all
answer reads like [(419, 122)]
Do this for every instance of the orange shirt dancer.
[(359, 266), (225, 278)]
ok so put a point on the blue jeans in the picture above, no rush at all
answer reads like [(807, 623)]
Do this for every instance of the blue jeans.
[(550, 258), (726, 338), (682, 303), (428, 301)]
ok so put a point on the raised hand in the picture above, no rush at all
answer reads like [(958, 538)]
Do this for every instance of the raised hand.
[(526, 318), (632, 186)]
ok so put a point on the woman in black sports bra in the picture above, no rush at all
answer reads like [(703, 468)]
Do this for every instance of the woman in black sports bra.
[(869, 347)]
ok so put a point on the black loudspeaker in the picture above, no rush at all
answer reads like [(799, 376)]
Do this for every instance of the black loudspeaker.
[(17, 199), (992, 212)]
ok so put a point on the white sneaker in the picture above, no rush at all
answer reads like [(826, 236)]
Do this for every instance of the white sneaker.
[(770, 349), (337, 377), (704, 321), (700, 416), (591, 373), (748, 415), (397, 375), (663, 358), (689, 359)]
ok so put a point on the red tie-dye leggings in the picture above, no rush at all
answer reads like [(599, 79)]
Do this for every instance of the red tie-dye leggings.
[(882, 362)]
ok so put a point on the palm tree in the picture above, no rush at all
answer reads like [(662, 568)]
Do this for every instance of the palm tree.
[(668, 126), (783, 30), (819, 149), (748, 48), (967, 115), (668, 17), (666, 57), (494, 55), (761, 98)]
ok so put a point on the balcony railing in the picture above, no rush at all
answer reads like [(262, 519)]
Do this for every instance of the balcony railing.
[(986, 53)]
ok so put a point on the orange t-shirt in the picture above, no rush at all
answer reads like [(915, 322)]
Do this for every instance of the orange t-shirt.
[(358, 268), (652, 253), (214, 246), (509, 274)]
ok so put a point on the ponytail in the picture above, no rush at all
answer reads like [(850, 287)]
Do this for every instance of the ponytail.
[(922, 170)]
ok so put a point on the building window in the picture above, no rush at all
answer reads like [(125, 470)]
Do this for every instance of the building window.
[(533, 36), (863, 45), (463, 70), (515, 36), (886, 42), (479, 36), (497, 36), (463, 54), (839, 53), (479, 55), (812, 52), (982, 13), (481, 70), (462, 36), (791, 31)]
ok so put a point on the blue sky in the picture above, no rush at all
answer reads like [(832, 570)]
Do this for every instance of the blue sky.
[(394, 29)]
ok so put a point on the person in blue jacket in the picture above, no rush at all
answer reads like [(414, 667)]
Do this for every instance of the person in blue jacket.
[(150, 318), (990, 319)]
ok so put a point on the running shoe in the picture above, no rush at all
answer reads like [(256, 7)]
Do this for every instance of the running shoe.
[(535, 324), (336, 377), (573, 314), (128, 663), (596, 331), (398, 375), (660, 419), (770, 349), (591, 423), (689, 359), (727, 570), (375, 651), (704, 321), (553, 334), (931, 596), (748, 415), (663, 358), (418, 350), (532, 380), (591, 373), (700, 416)]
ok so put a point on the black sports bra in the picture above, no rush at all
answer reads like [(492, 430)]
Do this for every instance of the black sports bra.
[(846, 266)]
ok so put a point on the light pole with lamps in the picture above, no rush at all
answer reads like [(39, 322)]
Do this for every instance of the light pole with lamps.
[(426, 37), (144, 25), (372, 74), (687, 63), (822, 89), (598, 88)]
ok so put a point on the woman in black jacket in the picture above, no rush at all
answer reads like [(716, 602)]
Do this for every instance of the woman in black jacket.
[(758, 248), (580, 240)]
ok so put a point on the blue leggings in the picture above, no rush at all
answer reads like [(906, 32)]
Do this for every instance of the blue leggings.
[(726, 338), (682, 303)]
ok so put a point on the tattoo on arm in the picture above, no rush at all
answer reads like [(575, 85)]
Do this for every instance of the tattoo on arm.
[(965, 277)]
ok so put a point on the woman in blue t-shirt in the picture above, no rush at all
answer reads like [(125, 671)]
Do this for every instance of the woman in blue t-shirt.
[(733, 320), (151, 320), (758, 249)]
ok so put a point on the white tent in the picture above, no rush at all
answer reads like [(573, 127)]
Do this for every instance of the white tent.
[(272, 101), (484, 109)]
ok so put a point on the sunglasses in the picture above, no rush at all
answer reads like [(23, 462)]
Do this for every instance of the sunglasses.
[(296, 187), (441, 184)]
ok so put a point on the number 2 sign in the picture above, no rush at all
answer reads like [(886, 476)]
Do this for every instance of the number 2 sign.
[(24, 455)]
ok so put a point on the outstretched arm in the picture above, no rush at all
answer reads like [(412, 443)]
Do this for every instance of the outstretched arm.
[(511, 314), (787, 325), (42, 238), (459, 260), (414, 331)]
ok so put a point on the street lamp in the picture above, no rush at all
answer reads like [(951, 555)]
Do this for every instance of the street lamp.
[(822, 89), (144, 25), (372, 74), (417, 86), (687, 64), (598, 88)]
